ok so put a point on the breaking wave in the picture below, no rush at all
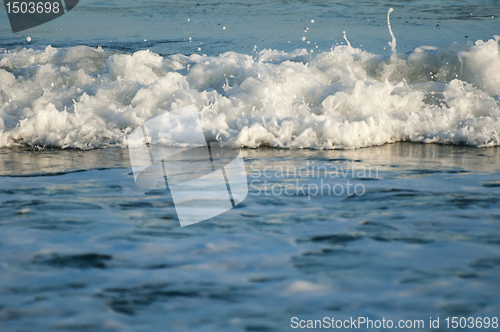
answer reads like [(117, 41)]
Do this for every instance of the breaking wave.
[(85, 98)]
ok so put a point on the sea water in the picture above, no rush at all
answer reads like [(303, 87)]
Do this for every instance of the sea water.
[(322, 99)]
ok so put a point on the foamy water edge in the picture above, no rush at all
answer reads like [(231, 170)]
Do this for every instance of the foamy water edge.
[(85, 98)]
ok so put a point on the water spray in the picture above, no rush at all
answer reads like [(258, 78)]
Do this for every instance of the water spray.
[(348, 43), (393, 43)]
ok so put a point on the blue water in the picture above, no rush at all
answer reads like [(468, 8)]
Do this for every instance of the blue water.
[(163, 26), (82, 248)]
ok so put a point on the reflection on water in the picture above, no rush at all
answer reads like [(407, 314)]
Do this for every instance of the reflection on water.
[(23, 161), (403, 156)]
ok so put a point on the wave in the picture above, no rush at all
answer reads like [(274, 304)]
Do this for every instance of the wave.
[(85, 98)]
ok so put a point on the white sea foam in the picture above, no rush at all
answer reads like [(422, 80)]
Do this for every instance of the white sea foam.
[(81, 97)]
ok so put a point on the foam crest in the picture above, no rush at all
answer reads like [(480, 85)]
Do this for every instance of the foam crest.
[(85, 98)]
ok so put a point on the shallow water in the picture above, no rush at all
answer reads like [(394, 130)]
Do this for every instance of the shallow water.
[(268, 24), (84, 248), (401, 230)]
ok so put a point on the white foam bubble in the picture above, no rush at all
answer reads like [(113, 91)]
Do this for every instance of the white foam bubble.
[(82, 97)]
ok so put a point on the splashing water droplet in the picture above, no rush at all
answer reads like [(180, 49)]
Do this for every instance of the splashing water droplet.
[(392, 44), (348, 43)]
